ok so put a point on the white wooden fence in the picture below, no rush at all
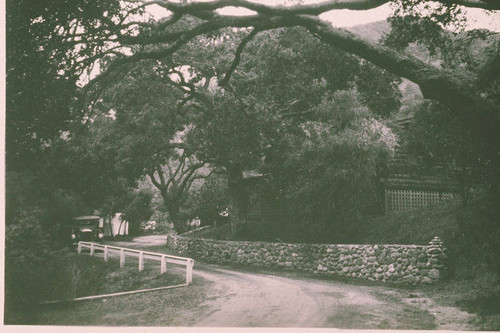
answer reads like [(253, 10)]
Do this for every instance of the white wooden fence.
[(161, 257)]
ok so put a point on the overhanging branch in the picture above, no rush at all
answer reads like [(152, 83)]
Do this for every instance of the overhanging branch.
[(310, 9), (237, 56), (154, 180), (181, 38), (436, 84), (188, 174)]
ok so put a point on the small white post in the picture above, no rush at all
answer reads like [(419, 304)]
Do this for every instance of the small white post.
[(163, 267), (91, 249), (79, 249), (105, 253), (189, 271), (122, 258), (141, 261)]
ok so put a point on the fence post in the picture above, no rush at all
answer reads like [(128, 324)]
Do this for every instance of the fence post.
[(105, 253), (189, 271), (91, 249), (163, 267), (122, 258), (141, 261), (79, 249)]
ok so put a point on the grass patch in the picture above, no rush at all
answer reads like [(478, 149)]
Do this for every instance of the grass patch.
[(83, 276), (482, 305), (478, 295), (408, 317), (93, 276), (417, 226), (172, 307)]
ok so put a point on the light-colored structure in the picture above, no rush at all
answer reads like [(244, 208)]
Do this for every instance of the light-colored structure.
[(116, 225)]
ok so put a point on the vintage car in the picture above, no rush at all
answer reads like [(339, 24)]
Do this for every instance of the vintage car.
[(87, 228)]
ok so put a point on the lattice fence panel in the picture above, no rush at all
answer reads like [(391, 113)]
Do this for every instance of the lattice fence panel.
[(404, 200)]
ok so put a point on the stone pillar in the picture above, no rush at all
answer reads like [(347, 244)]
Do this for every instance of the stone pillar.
[(436, 253), (171, 242)]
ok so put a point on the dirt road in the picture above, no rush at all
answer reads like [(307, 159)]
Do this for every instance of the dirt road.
[(244, 299)]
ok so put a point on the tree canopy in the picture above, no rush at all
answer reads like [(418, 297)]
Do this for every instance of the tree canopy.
[(257, 81), (164, 38), (68, 39)]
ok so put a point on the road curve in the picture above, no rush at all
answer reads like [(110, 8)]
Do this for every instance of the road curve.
[(243, 299)]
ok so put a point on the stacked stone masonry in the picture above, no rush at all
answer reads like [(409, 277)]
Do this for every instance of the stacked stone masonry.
[(399, 264)]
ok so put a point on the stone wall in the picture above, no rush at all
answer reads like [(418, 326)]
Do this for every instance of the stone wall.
[(400, 264)]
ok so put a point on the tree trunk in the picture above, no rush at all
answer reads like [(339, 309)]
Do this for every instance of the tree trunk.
[(240, 201), (173, 209), (176, 218)]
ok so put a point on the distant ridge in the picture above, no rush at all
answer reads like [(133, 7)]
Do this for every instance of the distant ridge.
[(371, 31), (411, 93)]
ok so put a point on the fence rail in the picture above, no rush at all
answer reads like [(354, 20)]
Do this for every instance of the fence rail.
[(161, 257)]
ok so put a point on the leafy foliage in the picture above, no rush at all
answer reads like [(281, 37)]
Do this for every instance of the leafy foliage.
[(210, 200), (138, 210), (28, 258), (471, 54), (283, 85), (440, 139), (41, 83), (227, 134), (297, 108), (280, 75), (138, 131), (332, 169), (379, 90)]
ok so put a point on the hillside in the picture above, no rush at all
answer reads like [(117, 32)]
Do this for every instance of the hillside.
[(371, 31), (411, 94), (417, 226)]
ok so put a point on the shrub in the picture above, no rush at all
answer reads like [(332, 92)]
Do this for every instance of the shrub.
[(35, 268), (26, 257)]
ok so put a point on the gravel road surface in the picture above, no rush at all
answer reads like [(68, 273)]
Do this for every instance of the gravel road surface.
[(239, 298)]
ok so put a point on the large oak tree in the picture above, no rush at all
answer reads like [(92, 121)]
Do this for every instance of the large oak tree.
[(116, 35), (163, 38), (68, 38)]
